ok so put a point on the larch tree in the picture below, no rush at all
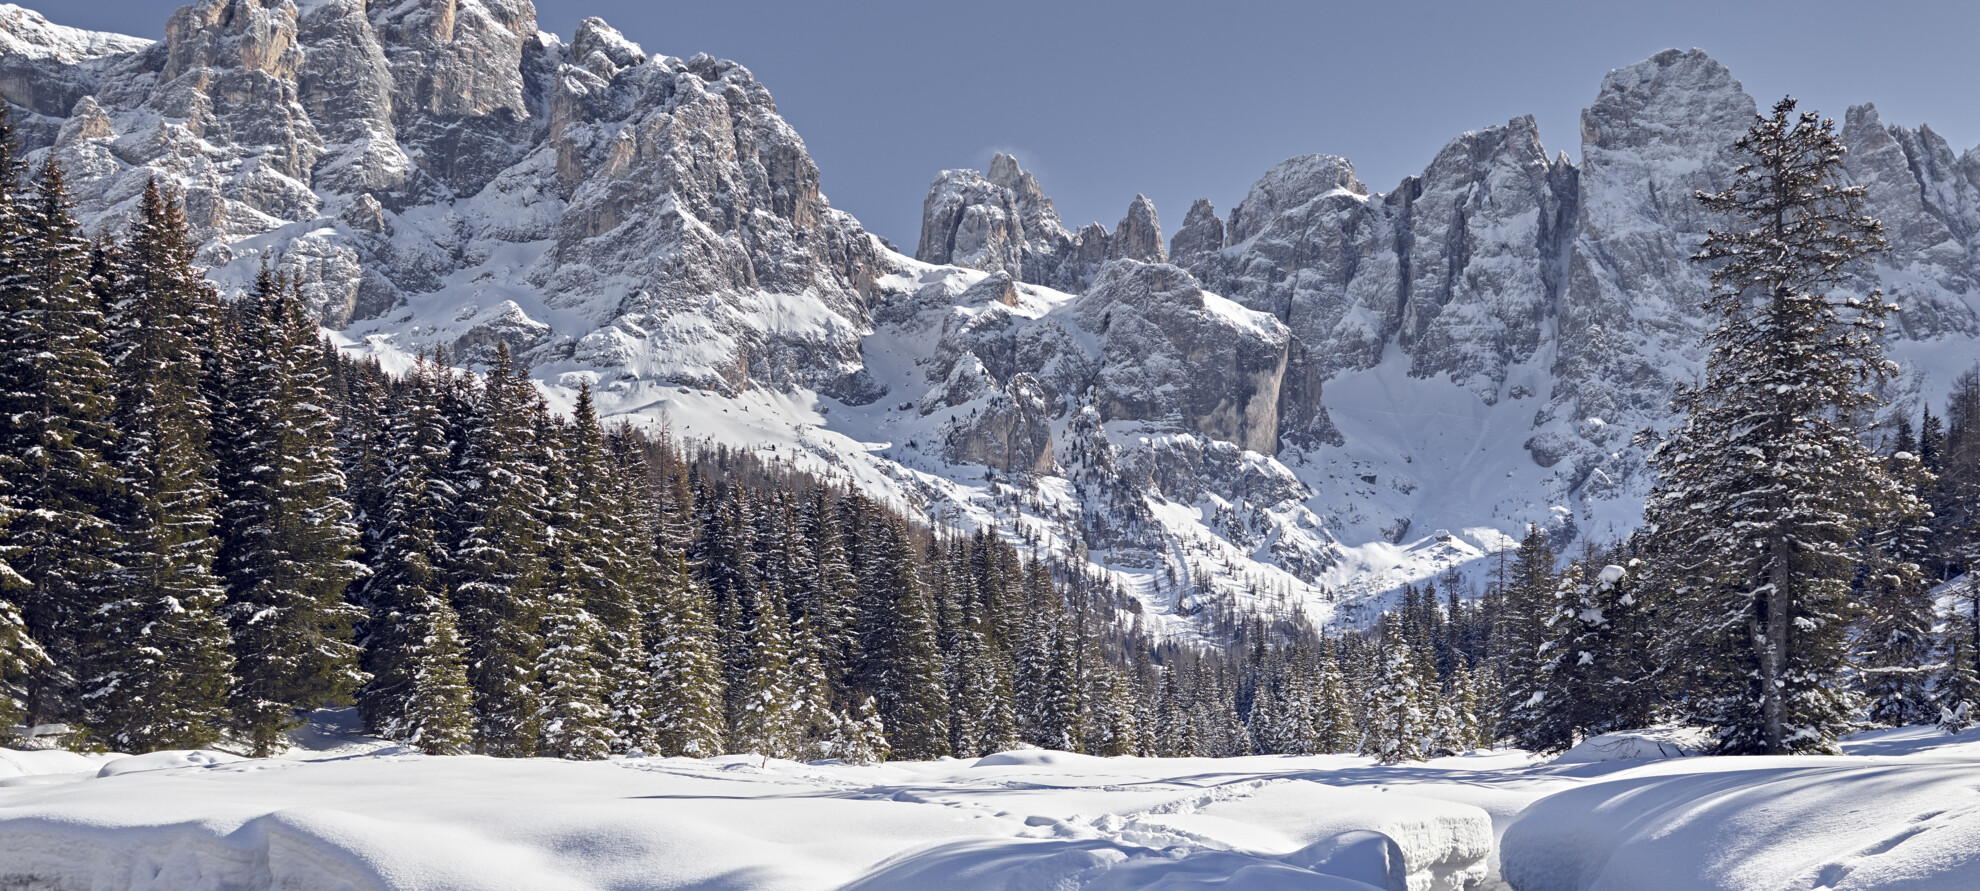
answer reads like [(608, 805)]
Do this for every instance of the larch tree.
[(1765, 487)]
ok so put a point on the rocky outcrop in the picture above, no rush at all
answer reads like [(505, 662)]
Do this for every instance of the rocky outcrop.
[(1011, 427), (1004, 223), (1170, 351), (445, 154), (1201, 235), (1139, 235)]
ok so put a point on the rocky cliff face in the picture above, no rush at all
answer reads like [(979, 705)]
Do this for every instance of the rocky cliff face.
[(1331, 390), (1004, 223), (586, 201), (1513, 295)]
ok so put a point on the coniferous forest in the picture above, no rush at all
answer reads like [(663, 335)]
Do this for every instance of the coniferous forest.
[(215, 524)]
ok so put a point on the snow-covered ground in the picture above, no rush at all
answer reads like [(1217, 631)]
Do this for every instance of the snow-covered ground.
[(1901, 811)]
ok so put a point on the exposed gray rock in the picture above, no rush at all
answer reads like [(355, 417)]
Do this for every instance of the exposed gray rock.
[(399, 148), (1139, 235), (1009, 430), (1003, 222), (1201, 235), (1172, 352)]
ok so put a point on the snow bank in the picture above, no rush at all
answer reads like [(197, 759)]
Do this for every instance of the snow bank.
[(1029, 820), (1640, 745), (50, 761), (1038, 758), (165, 760), (1755, 823)]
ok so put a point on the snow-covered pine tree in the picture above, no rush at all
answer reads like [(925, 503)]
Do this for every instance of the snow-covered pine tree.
[(1334, 727), (602, 559), (980, 717), (412, 648), (1469, 732), (632, 526), (158, 664), (436, 714), (573, 720), (1765, 486), (724, 556), (1397, 717), (1521, 635), (55, 399), (685, 694), (19, 654), (497, 562), (286, 539), (1616, 629), (899, 663), (1556, 722), (1956, 686), (1112, 731), (1956, 497), (1175, 733), (1893, 646), (764, 711), (1059, 719), (1448, 733), (859, 736), (834, 617)]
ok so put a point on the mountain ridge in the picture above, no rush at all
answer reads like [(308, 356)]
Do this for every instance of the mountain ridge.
[(1299, 406)]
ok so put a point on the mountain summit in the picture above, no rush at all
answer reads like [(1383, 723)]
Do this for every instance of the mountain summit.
[(1321, 395)]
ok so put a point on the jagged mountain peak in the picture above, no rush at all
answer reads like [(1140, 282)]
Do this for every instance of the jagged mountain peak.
[(28, 35), (1282, 399)]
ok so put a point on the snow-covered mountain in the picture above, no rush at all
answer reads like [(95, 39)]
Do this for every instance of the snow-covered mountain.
[(1301, 406)]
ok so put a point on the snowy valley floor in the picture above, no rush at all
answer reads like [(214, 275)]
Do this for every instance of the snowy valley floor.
[(1902, 810)]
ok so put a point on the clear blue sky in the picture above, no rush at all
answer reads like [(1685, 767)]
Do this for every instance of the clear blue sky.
[(1187, 100)]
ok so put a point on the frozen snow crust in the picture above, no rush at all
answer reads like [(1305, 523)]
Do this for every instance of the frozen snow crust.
[(1903, 812)]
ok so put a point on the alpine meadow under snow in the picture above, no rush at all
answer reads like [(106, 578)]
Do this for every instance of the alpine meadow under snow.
[(434, 454)]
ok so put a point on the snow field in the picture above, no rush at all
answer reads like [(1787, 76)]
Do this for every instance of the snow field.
[(1902, 811), (1018, 821)]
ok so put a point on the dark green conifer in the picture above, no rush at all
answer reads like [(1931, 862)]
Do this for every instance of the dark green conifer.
[(158, 663)]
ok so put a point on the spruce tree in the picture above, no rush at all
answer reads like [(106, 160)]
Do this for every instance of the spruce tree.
[(412, 648), (859, 736), (899, 665), (159, 665), (834, 617), (1764, 488), (631, 526), (435, 714), (1398, 719), (55, 432), (1956, 687), (685, 695), (1522, 635), (1334, 727), (1956, 497), (574, 720), (497, 560), (1893, 646), (19, 654), (286, 539)]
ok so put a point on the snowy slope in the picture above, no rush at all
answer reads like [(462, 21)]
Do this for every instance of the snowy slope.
[(1901, 813)]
